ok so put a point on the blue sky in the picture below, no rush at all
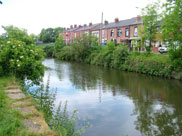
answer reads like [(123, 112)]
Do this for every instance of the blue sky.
[(34, 15)]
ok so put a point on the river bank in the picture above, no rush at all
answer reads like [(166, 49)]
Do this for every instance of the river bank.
[(118, 57)]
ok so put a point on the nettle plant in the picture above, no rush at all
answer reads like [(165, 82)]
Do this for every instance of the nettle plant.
[(25, 61)]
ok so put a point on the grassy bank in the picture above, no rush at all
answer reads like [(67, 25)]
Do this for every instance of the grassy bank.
[(10, 120)]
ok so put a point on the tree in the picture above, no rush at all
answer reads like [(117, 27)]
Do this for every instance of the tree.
[(151, 20), (172, 23), (19, 55), (16, 33), (59, 44), (50, 34)]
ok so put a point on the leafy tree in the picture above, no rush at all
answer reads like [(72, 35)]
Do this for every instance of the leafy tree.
[(151, 20), (59, 44), (19, 55), (50, 34), (57, 30), (172, 31), (12, 32), (172, 23)]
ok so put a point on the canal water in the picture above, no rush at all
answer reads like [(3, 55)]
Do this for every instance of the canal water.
[(117, 103)]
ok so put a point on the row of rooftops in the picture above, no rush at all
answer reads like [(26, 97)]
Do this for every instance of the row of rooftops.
[(94, 27)]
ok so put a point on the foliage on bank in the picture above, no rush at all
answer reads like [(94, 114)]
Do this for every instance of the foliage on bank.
[(119, 57), (19, 55)]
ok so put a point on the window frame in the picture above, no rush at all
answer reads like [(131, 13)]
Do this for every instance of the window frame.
[(127, 31), (119, 32), (112, 33), (136, 33)]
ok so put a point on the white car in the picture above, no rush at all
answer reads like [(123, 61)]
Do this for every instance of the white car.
[(162, 49)]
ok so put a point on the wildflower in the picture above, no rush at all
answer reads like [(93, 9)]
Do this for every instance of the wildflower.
[(19, 45), (17, 60), (18, 65), (8, 41), (21, 57)]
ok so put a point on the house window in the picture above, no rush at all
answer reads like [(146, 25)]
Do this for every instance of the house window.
[(112, 33), (135, 31), (126, 32), (118, 32), (102, 33)]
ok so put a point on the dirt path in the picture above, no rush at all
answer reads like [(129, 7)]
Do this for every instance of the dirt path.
[(33, 120)]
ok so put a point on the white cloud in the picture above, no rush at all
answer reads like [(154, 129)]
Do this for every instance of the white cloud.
[(34, 15)]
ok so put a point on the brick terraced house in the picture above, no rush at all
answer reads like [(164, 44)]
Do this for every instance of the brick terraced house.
[(119, 31)]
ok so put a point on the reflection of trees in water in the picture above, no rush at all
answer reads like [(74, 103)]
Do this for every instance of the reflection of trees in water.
[(163, 121), (145, 92)]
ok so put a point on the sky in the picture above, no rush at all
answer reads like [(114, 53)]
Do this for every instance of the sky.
[(34, 15)]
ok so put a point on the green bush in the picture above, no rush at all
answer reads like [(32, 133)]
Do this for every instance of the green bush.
[(120, 55), (59, 44), (1, 71), (20, 56), (176, 58), (66, 53), (49, 50), (150, 64)]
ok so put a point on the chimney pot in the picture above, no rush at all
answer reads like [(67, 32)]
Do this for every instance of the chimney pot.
[(90, 24), (138, 18), (116, 20), (85, 25), (71, 27), (105, 22), (79, 26), (75, 26)]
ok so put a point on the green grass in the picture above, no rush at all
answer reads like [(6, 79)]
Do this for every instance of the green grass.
[(10, 120)]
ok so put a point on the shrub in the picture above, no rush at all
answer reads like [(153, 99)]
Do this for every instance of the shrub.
[(66, 53), (19, 56), (120, 55), (59, 44), (176, 58), (25, 61), (49, 50), (151, 64)]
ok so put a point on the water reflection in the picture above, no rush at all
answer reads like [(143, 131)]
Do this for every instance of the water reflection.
[(118, 103)]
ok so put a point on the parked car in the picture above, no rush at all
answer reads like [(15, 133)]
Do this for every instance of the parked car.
[(162, 49)]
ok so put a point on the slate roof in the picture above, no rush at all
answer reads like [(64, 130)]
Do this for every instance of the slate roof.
[(70, 30), (85, 28), (121, 23)]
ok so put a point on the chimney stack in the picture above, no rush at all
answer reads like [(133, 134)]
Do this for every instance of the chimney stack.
[(79, 26), (85, 25), (64, 28), (116, 20), (67, 28), (105, 22), (138, 18), (75, 26), (90, 24), (71, 27)]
